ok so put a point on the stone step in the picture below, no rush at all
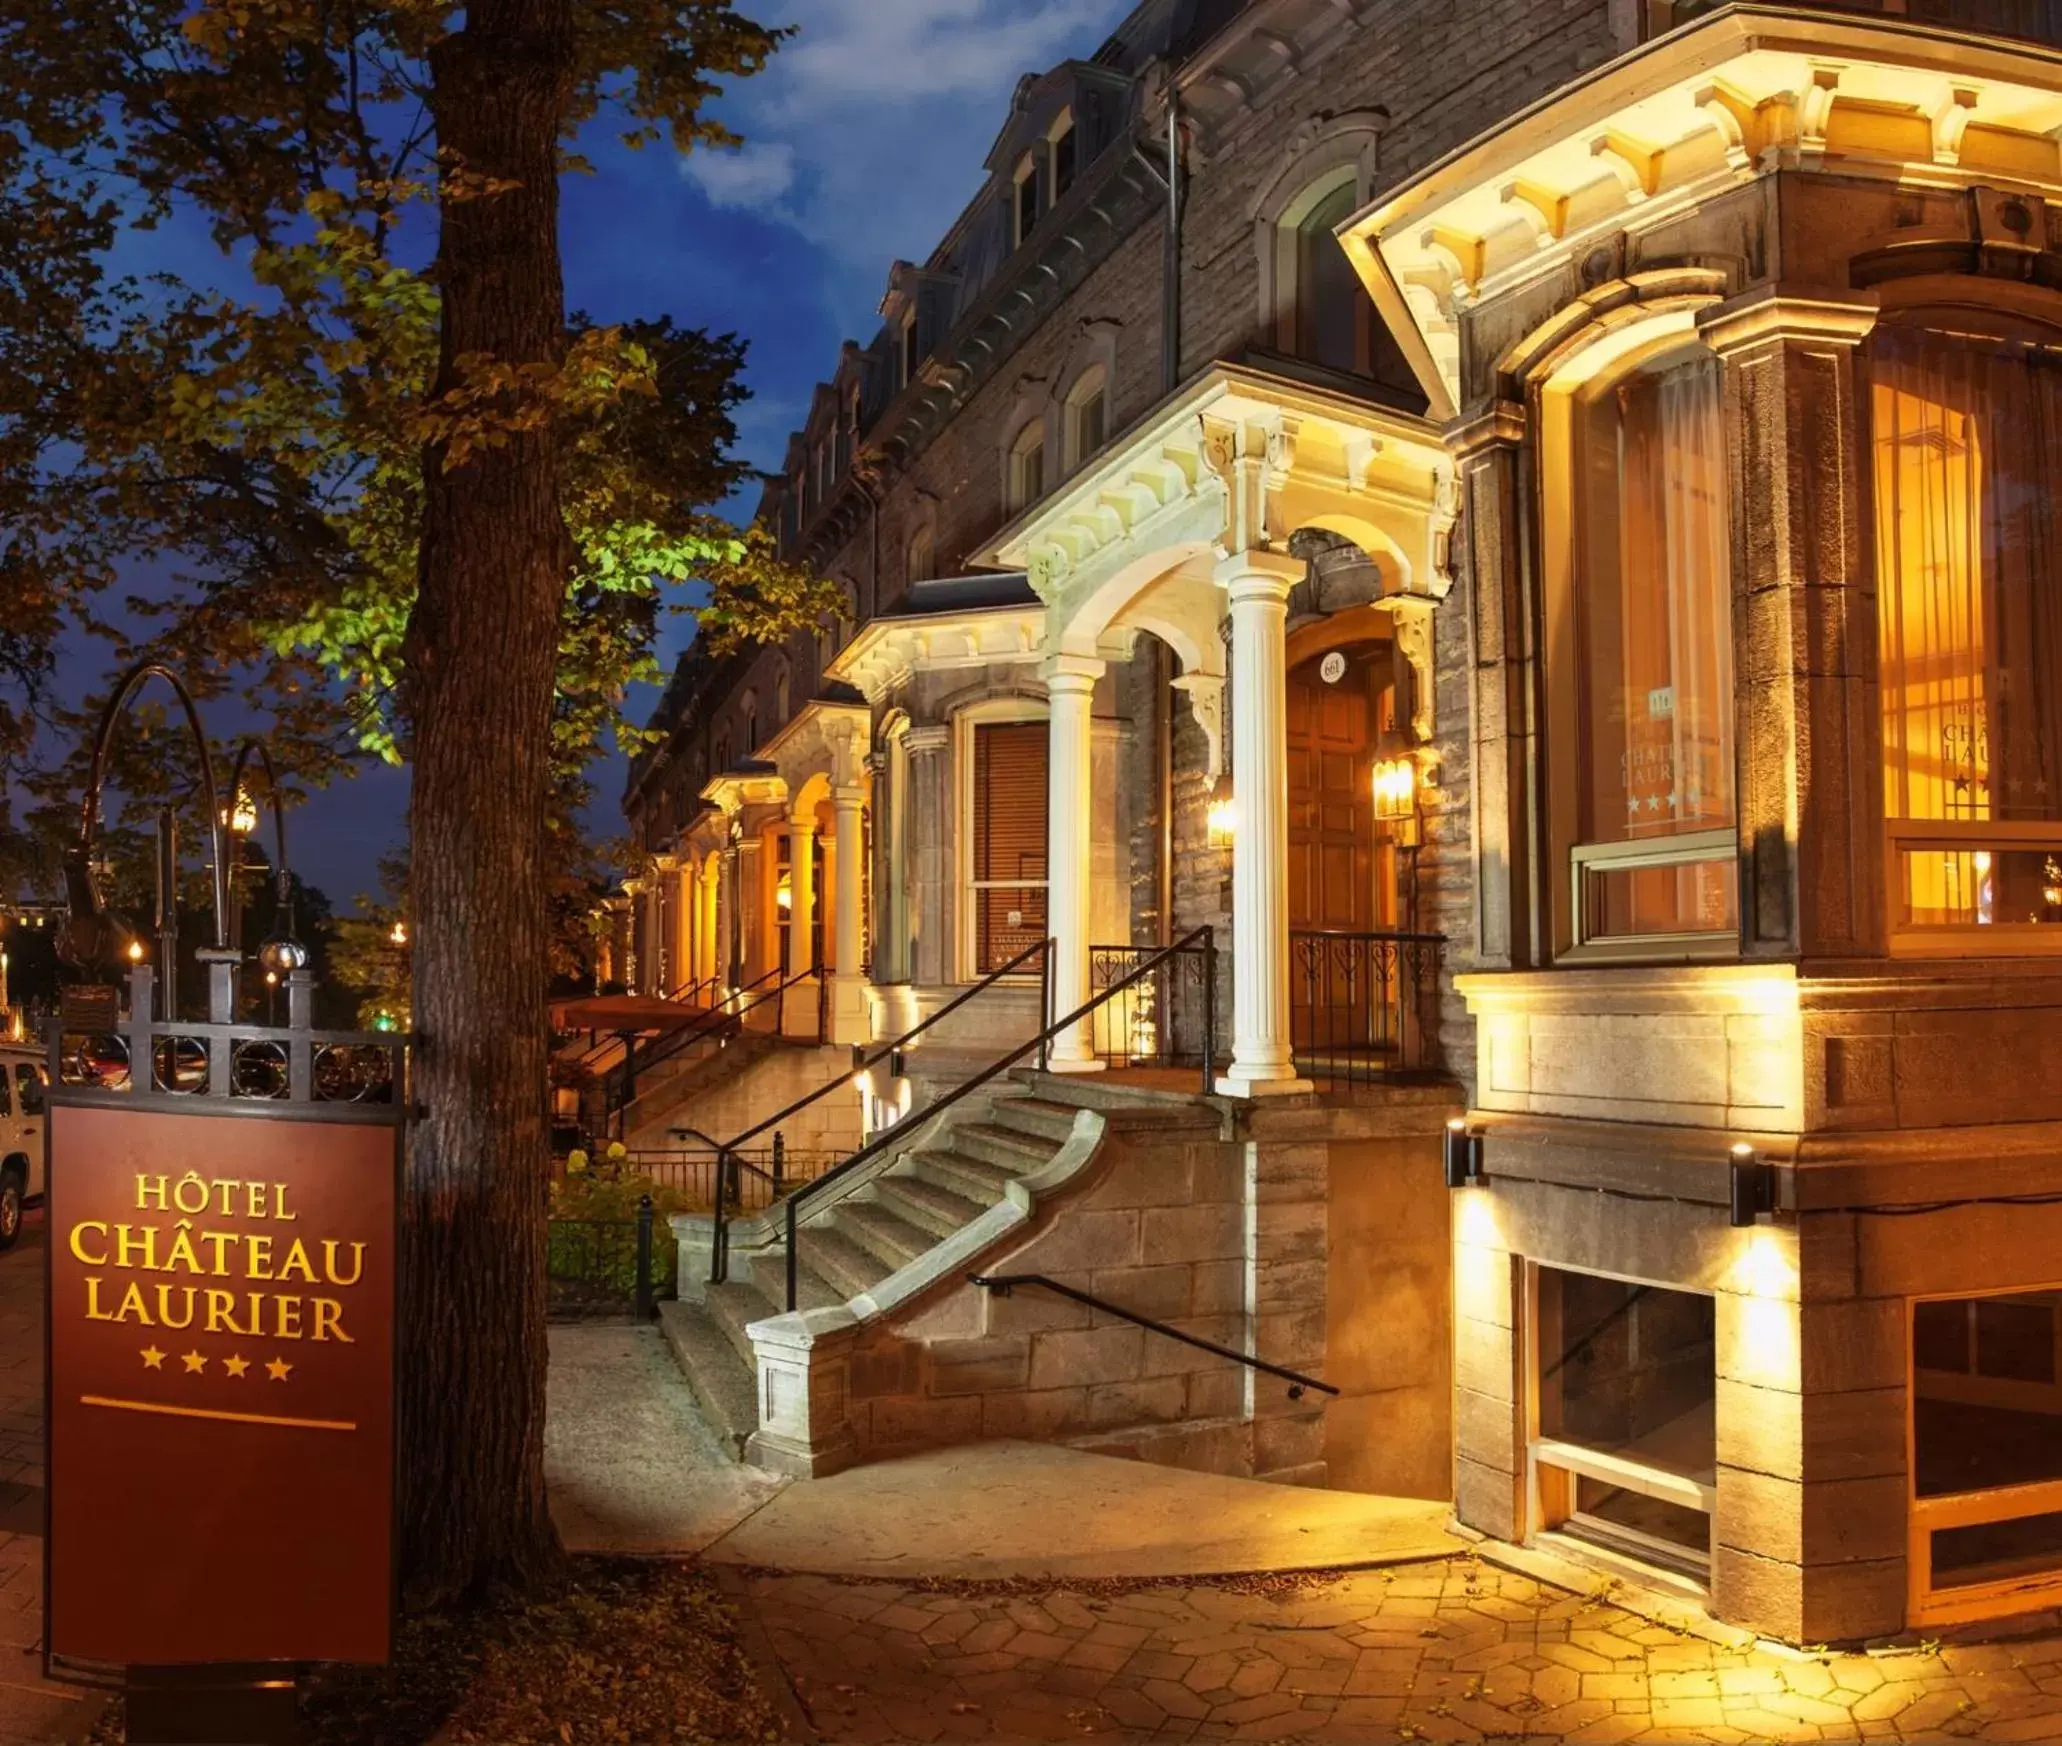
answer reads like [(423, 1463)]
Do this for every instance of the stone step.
[(840, 1262), (1006, 1148), (767, 1274), (734, 1306), (723, 1384), (1035, 1116), (1103, 1091), (881, 1232), (959, 1174), (937, 1210)]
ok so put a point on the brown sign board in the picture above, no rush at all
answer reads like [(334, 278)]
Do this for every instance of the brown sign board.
[(221, 1386)]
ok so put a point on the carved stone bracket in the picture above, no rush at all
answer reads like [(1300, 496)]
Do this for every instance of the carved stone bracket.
[(1205, 692)]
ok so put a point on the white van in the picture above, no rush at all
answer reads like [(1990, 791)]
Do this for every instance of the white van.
[(23, 1077)]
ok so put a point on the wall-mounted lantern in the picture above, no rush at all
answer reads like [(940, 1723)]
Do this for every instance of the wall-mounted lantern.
[(1396, 797), (1463, 1154), (1224, 814), (1753, 1187)]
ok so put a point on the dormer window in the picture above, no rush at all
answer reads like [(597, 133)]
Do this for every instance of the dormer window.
[(1027, 466), (1026, 198), (1062, 145), (1088, 415)]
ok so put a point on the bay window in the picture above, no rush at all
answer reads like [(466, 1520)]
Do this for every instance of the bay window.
[(1966, 444), (1655, 856)]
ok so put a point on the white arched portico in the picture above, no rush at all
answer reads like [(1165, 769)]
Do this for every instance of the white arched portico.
[(1185, 520)]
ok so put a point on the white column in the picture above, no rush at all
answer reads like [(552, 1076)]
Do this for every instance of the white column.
[(1070, 686), (850, 1016), (798, 1006), (1260, 837), (930, 833)]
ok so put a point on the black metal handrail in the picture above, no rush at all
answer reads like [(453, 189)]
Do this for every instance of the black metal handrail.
[(994, 1070), (1002, 1284), (619, 1088), (1041, 949)]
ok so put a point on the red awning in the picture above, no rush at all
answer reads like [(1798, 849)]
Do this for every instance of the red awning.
[(625, 1012)]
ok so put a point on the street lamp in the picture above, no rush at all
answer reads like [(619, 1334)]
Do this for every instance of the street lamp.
[(398, 934)]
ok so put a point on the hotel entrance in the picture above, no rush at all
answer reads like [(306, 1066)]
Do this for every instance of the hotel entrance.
[(1353, 978)]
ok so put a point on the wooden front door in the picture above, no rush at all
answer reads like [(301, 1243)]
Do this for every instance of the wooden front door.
[(1334, 859)]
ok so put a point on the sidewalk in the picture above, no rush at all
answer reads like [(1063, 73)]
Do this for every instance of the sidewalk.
[(632, 1468), (1021, 1592), (31, 1707)]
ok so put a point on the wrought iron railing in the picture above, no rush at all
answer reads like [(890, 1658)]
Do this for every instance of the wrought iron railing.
[(691, 1171), (756, 1006), (1166, 1018), (1363, 1007), (151, 1058), (1002, 1284), (608, 1267), (738, 1148), (1038, 1045)]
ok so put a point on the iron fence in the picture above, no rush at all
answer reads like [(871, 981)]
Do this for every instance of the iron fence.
[(1363, 1007), (767, 1173), (1160, 1005), (608, 1267)]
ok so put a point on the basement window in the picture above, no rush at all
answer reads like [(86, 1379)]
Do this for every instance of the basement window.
[(1626, 1454), (1986, 1406)]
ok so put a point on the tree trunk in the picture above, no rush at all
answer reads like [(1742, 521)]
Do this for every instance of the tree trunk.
[(480, 661)]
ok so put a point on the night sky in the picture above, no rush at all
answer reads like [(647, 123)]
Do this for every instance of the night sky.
[(866, 137)]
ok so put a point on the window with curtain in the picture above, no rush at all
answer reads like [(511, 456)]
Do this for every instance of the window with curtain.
[(1009, 840), (1967, 451), (1654, 617)]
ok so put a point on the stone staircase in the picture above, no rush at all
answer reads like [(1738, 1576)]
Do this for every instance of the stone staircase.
[(674, 1084), (894, 1227)]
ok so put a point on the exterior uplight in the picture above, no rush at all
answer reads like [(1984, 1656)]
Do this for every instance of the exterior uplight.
[(1224, 813), (1753, 1187), (1463, 1154)]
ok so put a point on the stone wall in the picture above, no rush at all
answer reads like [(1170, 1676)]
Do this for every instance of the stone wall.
[(1161, 1227)]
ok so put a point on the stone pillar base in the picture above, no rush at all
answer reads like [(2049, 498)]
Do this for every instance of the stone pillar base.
[(851, 1016), (694, 1234), (804, 1364), (1075, 1064), (800, 1010), (1236, 1084)]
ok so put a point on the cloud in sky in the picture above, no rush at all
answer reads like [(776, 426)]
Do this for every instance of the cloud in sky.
[(753, 178), (867, 131)]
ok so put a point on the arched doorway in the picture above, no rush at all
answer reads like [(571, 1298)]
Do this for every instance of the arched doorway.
[(1341, 713), (1350, 987)]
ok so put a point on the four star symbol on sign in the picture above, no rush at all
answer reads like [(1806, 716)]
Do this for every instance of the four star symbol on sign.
[(236, 1364)]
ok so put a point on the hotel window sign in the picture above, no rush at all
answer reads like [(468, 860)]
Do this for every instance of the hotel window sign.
[(1656, 855), (1966, 449)]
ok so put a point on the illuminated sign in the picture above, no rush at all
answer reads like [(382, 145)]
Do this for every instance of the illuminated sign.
[(221, 1385)]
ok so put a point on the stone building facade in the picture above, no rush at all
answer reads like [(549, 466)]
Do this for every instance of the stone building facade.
[(1567, 480)]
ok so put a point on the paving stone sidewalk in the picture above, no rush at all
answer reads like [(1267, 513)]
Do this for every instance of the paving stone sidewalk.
[(31, 1708), (1457, 1650)]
